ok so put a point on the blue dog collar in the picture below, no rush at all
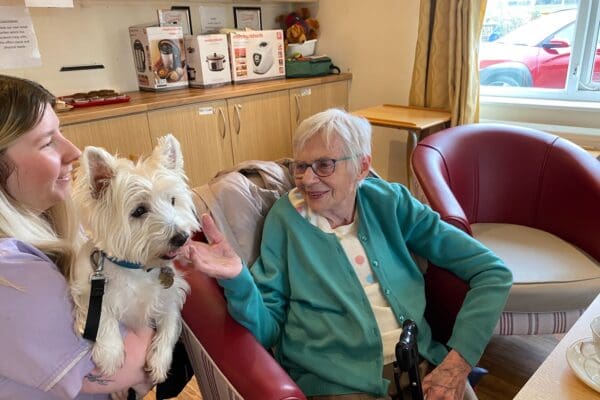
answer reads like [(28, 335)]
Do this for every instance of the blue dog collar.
[(123, 263)]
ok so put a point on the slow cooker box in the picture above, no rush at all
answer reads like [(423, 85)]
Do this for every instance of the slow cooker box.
[(208, 60), (256, 55)]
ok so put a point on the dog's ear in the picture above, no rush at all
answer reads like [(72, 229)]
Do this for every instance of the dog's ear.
[(99, 168), (168, 152)]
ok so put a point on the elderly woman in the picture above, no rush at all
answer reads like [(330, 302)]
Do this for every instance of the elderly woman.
[(335, 278)]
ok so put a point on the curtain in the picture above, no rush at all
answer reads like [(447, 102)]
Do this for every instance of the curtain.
[(446, 71)]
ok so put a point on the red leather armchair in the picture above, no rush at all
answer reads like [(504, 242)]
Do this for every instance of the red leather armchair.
[(483, 178)]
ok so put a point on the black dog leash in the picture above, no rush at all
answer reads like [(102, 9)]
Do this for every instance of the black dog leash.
[(92, 323), (97, 280)]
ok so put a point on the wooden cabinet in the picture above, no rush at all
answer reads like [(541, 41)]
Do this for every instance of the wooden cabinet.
[(309, 100), (260, 128), (203, 132), (127, 136)]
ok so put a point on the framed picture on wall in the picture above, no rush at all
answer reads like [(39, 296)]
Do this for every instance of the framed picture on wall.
[(247, 17), (185, 17)]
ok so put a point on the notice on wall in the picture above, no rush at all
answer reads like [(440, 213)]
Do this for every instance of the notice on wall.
[(49, 3), (18, 43), (212, 18)]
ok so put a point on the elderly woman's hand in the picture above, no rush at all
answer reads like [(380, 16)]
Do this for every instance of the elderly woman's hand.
[(216, 259), (447, 381)]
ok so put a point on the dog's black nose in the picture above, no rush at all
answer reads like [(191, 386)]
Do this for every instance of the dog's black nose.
[(179, 239)]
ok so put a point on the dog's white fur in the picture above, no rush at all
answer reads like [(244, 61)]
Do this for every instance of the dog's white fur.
[(140, 213)]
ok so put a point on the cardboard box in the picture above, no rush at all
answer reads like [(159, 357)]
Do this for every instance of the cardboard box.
[(208, 60), (256, 55), (159, 57)]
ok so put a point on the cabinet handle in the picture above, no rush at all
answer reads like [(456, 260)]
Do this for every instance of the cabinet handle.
[(237, 108), (220, 110), (297, 97)]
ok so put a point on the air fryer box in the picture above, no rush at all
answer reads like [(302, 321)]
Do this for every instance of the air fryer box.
[(256, 55), (208, 60), (159, 57)]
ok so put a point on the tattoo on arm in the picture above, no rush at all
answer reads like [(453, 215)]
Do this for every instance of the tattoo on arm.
[(97, 379)]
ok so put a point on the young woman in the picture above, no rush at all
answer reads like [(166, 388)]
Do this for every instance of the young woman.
[(42, 357)]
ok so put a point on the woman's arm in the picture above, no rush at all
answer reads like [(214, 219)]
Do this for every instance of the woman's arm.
[(259, 310), (131, 372)]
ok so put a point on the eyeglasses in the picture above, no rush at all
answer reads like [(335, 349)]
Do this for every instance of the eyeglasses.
[(322, 167)]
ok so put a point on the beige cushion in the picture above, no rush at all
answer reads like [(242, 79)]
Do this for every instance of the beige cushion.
[(549, 274)]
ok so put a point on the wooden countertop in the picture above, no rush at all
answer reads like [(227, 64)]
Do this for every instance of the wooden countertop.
[(142, 101)]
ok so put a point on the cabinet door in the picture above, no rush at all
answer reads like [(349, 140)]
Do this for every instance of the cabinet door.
[(127, 136), (203, 132), (260, 126), (309, 100)]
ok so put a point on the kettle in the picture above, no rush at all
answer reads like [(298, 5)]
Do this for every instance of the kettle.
[(262, 58)]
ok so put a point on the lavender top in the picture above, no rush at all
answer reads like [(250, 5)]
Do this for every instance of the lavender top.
[(41, 357)]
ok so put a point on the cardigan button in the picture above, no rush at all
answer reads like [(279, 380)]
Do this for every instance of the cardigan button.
[(387, 291), (363, 237), (376, 263)]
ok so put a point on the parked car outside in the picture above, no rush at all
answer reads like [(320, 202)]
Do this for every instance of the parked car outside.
[(535, 54)]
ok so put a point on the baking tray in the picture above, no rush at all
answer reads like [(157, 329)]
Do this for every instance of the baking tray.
[(98, 102)]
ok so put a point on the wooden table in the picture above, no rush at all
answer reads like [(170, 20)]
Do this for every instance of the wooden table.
[(415, 120), (554, 379)]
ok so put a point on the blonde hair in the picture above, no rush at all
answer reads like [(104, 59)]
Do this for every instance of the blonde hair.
[(54, 232)]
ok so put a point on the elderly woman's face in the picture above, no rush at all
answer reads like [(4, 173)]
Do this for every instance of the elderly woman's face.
[(41, 160), (334, 195)]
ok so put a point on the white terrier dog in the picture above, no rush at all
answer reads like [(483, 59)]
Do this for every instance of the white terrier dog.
[(136, 216)]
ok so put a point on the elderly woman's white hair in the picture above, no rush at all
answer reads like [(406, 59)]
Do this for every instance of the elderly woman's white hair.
[(354, 132)]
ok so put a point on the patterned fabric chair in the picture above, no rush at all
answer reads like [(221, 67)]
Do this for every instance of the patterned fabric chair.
[(534, 199)]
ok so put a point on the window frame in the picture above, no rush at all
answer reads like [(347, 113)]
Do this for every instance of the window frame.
[(578, 85)]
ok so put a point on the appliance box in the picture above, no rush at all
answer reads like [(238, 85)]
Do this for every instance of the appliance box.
[(208, 60), (159, 57), (256, 55)]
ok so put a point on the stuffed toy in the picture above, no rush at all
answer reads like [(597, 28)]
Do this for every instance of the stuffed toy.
[(295, 34), (299, 26)]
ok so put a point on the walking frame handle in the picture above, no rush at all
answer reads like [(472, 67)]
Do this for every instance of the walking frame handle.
[(407, 360)]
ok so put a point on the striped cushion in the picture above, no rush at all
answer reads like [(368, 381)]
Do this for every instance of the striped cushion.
[(536, 323)]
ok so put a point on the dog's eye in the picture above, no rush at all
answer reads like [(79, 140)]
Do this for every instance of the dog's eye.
[(141, 210), (172, 201)]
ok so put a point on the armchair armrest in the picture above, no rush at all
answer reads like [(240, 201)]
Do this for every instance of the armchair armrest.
[(250, 370), (434, 183)]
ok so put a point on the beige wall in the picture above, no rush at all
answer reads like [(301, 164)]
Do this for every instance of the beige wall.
[(375, 40)]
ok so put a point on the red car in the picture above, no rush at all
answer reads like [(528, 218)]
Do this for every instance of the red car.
[(535, 54)]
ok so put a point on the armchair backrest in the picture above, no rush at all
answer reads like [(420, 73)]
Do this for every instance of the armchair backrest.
[(508, 174)]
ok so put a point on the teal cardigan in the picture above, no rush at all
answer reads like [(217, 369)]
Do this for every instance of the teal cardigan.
[(303, 298)]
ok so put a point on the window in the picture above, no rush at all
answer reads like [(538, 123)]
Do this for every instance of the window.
[(541, 49)]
